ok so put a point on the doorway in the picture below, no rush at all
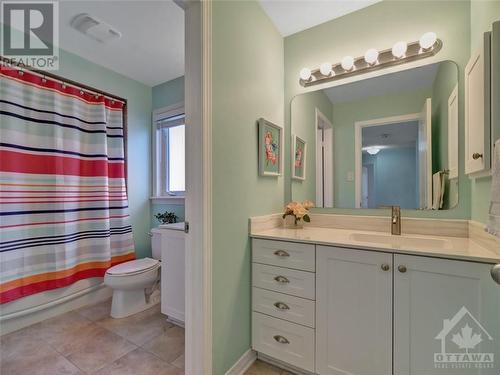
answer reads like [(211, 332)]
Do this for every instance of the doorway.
[(324, 161)]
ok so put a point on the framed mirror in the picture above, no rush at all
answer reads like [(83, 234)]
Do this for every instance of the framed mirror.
[(387, 140)]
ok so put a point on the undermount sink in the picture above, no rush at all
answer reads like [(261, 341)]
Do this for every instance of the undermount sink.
[(402, 241)]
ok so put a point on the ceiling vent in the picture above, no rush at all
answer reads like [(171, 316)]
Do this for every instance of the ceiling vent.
[(95, 28)]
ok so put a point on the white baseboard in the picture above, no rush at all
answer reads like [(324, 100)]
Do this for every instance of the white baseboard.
[(282, 365), (243, 364)]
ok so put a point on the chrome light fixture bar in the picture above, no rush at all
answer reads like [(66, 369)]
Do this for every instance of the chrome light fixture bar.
[(400, 53)]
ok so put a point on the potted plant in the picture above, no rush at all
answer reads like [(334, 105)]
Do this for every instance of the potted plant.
[(166, 217), (295, 212)]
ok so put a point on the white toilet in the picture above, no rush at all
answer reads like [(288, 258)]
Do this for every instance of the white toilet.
[(134, 283)]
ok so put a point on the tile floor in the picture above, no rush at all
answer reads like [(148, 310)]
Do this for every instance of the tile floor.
[(263, 368), (88, 341)]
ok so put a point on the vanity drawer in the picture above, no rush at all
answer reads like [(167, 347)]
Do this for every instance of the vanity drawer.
[(282, 340), (294, 309), (284, 280), (285, 254)]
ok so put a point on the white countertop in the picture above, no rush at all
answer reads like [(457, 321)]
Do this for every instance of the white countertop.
[(451, 247)]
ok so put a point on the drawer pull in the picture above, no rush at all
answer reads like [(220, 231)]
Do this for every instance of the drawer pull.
[(281, 279), (495, 273), (281, 306), (281, 253), (281, 339), (477, 155)]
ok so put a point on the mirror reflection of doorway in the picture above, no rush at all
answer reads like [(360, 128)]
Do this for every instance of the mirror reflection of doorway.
[(324, 161), (393, 160)]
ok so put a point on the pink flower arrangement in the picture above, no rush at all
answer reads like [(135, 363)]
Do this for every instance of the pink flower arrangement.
[(300, 210)]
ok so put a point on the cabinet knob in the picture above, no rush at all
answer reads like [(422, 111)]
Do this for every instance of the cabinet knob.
[(281, 279), (281, 253), (402, 269), (281, 306), (281, 339), (476, 155), (385, 267), (495, 273)]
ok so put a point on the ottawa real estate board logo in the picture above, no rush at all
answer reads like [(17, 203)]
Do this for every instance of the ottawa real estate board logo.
[(464, 343), (30, 34)]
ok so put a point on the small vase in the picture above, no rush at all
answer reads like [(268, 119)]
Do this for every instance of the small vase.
[(289, 222)]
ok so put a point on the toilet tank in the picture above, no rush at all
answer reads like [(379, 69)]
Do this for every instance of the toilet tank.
[(156, 244)]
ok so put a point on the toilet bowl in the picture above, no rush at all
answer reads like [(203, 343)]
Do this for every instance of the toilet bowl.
[(134, 283)]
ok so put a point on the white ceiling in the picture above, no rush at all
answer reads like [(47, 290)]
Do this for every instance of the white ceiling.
[(406, 80), (151, 49), (292, 16)]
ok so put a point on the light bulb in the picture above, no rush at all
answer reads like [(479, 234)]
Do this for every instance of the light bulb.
[(326, 69), (371, 56), (399, 49), (372, 150), (347, 63), (305, 74), (427, 40)]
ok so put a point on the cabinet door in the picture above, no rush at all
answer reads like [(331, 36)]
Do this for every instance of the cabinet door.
[(444, 307), (353, 312), (477, 110)]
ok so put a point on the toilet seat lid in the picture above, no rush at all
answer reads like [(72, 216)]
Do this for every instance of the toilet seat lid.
[(133, 266)]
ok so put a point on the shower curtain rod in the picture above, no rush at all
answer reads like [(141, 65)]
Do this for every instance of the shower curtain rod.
[(61, 80)]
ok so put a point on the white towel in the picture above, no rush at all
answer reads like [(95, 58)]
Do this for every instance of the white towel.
[(438, 186), (493, 226)]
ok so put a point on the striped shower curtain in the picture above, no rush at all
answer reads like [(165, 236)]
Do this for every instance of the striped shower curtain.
[(63, 199)]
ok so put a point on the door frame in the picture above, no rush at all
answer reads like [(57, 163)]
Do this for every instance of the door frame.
[(198, 107), (328, 176), (358, 128)]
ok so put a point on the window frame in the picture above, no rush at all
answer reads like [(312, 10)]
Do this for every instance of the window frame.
[(160, 159)]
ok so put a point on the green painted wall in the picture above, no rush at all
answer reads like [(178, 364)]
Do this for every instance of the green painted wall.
[(394, 164), (164, 95), (304, 126), (247, 81), (383, 24), (483, 14), (138, 98), (168, 93), (445, 82)]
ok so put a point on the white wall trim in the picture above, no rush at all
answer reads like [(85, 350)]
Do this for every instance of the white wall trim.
[(198, 89), (358, 128), (243, 363), (173, 200), (19, 319)]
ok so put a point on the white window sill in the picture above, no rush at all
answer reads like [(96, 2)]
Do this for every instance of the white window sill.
[(176, 200)]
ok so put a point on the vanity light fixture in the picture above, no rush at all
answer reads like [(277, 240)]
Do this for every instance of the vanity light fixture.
[(347, 63), (305, 74), (402, 52), (427, 40), (371, 56), (399, 49), (326, 69)]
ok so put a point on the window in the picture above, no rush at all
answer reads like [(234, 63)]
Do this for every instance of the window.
[(169, 153)]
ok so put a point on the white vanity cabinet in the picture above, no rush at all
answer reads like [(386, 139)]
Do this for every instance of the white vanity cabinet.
[(283, 304), (477, 111), (354, 312), (432, 302), (372, 312)]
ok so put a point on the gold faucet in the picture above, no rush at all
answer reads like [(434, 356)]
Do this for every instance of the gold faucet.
[(395, 219)]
